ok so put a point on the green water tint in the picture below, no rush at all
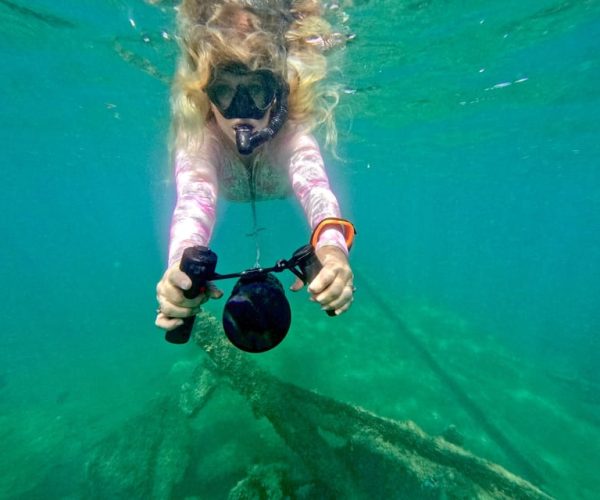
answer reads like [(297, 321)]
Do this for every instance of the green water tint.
[(470, 405), (427, 70), (344, 451), (36, 16), (199, 437)]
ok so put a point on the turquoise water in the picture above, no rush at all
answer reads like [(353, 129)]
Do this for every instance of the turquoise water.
[(469, 164)]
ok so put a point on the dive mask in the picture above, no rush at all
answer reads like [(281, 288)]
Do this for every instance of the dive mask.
[(239, 92)]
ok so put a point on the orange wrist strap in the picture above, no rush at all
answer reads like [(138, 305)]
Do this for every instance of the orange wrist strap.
[(343, 225)]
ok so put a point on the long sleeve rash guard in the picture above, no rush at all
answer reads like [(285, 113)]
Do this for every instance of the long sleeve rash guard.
[(292, 162)]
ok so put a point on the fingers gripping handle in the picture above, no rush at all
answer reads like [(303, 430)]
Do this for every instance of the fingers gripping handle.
[(309, 265), (199, 264)]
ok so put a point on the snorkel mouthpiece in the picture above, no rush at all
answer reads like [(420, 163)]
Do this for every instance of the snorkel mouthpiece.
[(247, 140), (243, 139), (239, 92)]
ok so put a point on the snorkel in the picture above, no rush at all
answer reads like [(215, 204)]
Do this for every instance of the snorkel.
[(247, 140), (238, 92)]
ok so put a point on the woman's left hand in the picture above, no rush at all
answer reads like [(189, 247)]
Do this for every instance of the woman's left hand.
[(333, 287)]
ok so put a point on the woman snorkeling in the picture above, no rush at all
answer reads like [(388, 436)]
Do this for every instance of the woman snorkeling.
[(247, 94)]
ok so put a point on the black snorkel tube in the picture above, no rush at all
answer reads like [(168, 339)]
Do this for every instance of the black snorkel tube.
[(247, 141)]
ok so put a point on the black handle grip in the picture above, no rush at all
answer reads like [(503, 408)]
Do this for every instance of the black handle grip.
[(310, 265), (199, 264)]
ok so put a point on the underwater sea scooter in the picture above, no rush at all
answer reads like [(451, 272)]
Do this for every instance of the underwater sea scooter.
[(257, 315)]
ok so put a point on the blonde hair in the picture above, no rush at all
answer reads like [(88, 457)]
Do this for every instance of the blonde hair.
[(286, 36)]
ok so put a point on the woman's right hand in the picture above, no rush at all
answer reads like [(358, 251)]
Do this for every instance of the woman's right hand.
[(172, 304)]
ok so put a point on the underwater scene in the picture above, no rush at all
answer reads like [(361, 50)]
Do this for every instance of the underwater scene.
[(468, 160)]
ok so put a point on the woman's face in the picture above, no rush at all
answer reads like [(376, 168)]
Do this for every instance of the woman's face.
[(228, 126)]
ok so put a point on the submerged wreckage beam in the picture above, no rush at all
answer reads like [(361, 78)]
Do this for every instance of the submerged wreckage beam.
[(340, 443), (469, 405), (347, 452)]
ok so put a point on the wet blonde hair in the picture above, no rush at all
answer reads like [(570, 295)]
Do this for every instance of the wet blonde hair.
[(286, 36)]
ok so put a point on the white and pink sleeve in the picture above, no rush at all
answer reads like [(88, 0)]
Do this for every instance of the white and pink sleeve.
[(311, 186), (194, 215)]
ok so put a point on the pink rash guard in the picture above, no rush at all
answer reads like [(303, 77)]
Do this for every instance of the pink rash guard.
[(291, 162)]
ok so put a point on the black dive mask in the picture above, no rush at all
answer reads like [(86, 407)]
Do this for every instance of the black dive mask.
[(239, 92), (257, 315)]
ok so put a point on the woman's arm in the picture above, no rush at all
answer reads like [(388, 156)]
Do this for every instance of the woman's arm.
[(311, 186), (333, 287), (192, 224), (197, 186)]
